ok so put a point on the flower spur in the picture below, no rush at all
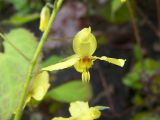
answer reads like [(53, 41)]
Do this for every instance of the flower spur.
[(84, 45)]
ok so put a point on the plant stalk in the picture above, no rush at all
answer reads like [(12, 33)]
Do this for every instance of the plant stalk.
[(135, 28), (57, 5)]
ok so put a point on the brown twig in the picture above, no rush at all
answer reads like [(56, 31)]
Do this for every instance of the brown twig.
[(158, 16), (108, 91), (135, 29), (98, 97), (148, 22), (134, 22), (158, 12)]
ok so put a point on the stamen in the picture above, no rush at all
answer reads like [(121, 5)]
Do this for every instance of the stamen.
[(85, 76)]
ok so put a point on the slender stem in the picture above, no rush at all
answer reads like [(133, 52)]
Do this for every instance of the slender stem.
[(158, 15), (135, 27), (35, 59), (107, 89)]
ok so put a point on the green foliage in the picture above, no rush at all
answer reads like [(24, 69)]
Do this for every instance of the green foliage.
[(71, 91), (1, 4), (116, 4), (137, 53), (146, 116), (138, 100), (150, 66), (13, 69), (115, 12), (133, 78), (20, 19), (18, 4), (25, 6), (155, 85), (24, 11), (51, 60)]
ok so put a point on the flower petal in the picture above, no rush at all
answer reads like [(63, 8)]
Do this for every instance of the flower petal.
[(95, 113), (40, 86), (84, 42), (61, 118), (79, 109), (119, 62), (102, 107), (68, 62)]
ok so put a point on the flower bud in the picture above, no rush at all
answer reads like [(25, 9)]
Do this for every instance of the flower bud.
[(84, 43), (44, 18)]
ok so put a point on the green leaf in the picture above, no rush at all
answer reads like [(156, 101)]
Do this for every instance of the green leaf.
[(18, 4), (146, 116), (155, 85), (71, 91), (138, 100), (132, 79), (51, 60), (137, 53), (115, 12), (13, 69), (150, 66), (115, 5), (18, 20)]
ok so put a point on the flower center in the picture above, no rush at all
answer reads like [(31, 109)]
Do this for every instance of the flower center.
[(84, 64)]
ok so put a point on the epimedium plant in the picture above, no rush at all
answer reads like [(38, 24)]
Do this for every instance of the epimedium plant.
[(36, 82), (34, 60), (14, 66), (18, 58)]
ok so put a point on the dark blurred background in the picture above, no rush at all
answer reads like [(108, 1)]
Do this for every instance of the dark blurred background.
[(128, 30)]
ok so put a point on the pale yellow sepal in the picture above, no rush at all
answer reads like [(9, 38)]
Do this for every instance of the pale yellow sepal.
[(39, 87), (44, 18), (119, 62), (64, 64), (81, 111), (78, 108)]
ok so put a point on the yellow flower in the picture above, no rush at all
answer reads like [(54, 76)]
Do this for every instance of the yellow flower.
[(84, 45), (81, 111), (60, 118), (123, 1), (39, 87), (44, 18)]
